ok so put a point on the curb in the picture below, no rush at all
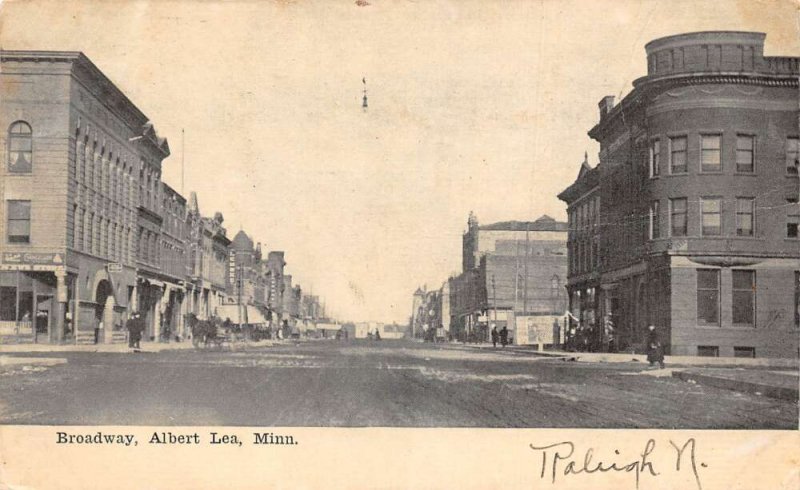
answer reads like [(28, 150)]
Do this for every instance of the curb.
[(789, 394)]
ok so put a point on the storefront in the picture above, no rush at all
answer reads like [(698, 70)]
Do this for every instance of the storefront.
[(35, 298)]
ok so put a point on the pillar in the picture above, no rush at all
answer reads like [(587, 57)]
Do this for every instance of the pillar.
[(57, 333)]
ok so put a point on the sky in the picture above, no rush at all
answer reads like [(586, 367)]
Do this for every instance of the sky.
[(473, 106)]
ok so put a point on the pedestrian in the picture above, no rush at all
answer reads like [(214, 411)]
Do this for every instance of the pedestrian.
[(130, 325), (495, 335), (138, 330), (655, 352), (571, 339), (504, 336)]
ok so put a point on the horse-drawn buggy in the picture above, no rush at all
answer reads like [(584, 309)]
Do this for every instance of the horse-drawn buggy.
[(209, 333)]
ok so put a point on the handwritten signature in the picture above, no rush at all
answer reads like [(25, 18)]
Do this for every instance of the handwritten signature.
[(560, 460)]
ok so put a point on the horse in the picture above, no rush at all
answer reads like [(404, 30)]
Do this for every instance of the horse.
[(204, 332)]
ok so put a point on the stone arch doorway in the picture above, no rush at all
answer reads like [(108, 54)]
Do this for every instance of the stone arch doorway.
[(104, 311)]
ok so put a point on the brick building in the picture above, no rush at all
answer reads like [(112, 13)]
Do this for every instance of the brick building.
[(689, 221), (79, 198), (511, 271)]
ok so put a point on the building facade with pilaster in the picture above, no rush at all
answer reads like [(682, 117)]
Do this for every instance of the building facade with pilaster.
[(78, 185)]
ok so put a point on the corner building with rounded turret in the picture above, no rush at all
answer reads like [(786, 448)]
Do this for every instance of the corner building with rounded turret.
[(690, 219)]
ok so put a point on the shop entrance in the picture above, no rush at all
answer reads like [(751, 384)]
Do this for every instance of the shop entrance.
[(43, 318), (104, 312)]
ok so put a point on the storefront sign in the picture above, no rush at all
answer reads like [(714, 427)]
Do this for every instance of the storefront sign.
[(32, 258), (114, 267), (29, 267)]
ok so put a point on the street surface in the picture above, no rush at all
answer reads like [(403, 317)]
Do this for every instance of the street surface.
[(367, 383)]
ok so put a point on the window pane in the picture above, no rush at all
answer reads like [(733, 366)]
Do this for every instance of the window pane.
[(710, 154), (707, 307), (707, 351), (743, 307), (19, 148), (745, 146), (19, 209), (743, 280), (792, 152), (744, 205), (678, 154), (744, 226), (744, 142), (19, 227), (8, 303), (711, 205), (20, 128), (792, 224), (20, 144), (707, 279), (711, 216), (711, 142), (678, 205)]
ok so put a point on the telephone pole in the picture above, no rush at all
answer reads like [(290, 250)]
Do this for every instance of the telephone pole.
[(525, 283), (494, 300)]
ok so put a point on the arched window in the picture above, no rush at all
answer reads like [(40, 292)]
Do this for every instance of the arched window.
[(20, 148)]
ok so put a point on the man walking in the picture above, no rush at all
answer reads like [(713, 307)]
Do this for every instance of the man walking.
[(138, 329), (130, 326), (655, 353), (504, 336), (495, 335)]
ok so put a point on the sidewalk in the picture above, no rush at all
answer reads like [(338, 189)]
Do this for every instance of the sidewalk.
[(119, 348), (671, 361), (774, 384)]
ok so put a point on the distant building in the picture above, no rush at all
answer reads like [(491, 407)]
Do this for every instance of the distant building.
[(275, 286), (690, 219), (209, 251), (511, 270)]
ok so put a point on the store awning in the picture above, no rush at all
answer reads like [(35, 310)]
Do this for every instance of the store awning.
[(254, 317), (328, 326), (231, 312)]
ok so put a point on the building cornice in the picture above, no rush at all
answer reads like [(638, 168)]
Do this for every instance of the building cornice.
[(645, 86)]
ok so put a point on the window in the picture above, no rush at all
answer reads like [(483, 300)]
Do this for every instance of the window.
[(707, 297), (655, 230), (744, 352), (744, 297), (711, 218), (655, 164), (745, 153), (710, 160), (707, 351), (744, 216), (90, 243), (677, 155), (792, 223), (19, 221), (677, 212), (792, 155), (20, 148)]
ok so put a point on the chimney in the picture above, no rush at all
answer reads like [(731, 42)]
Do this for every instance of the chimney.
[(606, 104)]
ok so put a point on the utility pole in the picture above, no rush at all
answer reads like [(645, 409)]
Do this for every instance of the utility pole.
[(494, 300), (239, 283), (183, 158), (525, 284), (516, 280)]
